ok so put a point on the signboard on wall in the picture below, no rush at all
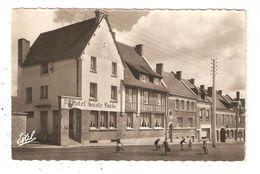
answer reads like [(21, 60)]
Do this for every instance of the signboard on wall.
[(86, 104)]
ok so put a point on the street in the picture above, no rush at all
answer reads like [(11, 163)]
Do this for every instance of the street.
[(223, 152)]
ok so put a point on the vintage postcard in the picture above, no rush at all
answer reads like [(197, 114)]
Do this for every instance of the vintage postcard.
[(110, 84)]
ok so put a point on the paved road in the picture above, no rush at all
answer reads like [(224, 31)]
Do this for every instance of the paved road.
[(223, 152)]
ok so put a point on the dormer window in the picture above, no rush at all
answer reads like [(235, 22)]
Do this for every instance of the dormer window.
[(44, 68), (156, 81), (144, 78)]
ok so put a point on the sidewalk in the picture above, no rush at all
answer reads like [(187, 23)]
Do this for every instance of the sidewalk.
[(42, 145)]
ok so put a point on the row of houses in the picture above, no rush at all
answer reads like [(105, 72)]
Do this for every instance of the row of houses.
[(77, 84)]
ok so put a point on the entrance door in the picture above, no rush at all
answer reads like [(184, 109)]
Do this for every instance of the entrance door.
[(75, 124), (222, 135), (170, 132)]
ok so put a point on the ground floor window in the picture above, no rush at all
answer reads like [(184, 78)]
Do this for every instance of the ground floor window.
[(103, 119), (112, 120), (129, 120), (94, 119), (44, 115), (146, 120), (158, 120)]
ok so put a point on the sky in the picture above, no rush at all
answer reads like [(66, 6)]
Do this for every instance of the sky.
[(183, 40)]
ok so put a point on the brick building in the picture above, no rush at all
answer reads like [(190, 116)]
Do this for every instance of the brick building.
[(181, 108)]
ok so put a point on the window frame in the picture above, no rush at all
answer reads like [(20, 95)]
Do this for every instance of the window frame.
[(93, 62), (144, 118), (178, 124), (44, 93), (114, 69), (94, 114), (44, 68), (114, 91), (131, 119), (29, 98), (94, 96), (114, 120)]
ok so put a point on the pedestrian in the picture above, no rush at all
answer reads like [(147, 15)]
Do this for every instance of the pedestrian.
[(190, 145), (119, 147), (205, 147), (156, 143), (182, 141), (165, 145)]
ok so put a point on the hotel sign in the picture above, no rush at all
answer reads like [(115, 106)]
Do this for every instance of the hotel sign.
[(85, 104)]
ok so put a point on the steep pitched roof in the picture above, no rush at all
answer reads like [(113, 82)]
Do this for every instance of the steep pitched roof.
[(135, 61), (175, 86), (221, 102), (63, 43)]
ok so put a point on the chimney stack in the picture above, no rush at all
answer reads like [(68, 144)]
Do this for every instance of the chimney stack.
[(139, 49), (202, 86), (159, 68), (192, 81), (178, 75), (238, 95), (220, 92), (23, 50), (99, 15), (210, 91)]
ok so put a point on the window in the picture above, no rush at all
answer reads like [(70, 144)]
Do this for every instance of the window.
[(114, 69), (159, 99), (228, 120), (114, 93), (103, 120), (239, 120), (112, 120), (207, 114), (182, 105), (146, 94), (188, 106), (177, 106), (44, 115), (156, 81), (223, 119), (93, 91), (129, 121), (163, 100), (93, 64), (200, 114), (44, 68), (55, 115), (29, 95), (146, 120), (158, 120), (129, 93), (94, 119), (190, 122), (44, 92), (232, 119), (192, 106), (144, 78), (179, 122)]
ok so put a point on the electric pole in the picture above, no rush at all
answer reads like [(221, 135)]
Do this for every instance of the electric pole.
[(213, 115)]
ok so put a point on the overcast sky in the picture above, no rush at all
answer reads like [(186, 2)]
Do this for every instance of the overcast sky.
[(184, 40)]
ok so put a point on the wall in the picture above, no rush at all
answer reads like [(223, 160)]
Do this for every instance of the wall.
[(18, 126), (103, 76), (62, 81)]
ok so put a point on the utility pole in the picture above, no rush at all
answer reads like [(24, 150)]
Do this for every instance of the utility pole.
[(213, 115)]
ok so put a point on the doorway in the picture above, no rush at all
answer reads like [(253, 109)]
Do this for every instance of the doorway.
[(222, 135), (171, 132), (75, 124)]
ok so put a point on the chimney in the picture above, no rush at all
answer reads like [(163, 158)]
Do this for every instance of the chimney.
[(238, 95), (139, 49), (192, 81), (220, 92), (202, 86), (23, 50), (99, 15), (159, 68), (178, 75), (210, 91)]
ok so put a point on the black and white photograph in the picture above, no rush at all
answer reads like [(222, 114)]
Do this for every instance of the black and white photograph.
[(128, 84)]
